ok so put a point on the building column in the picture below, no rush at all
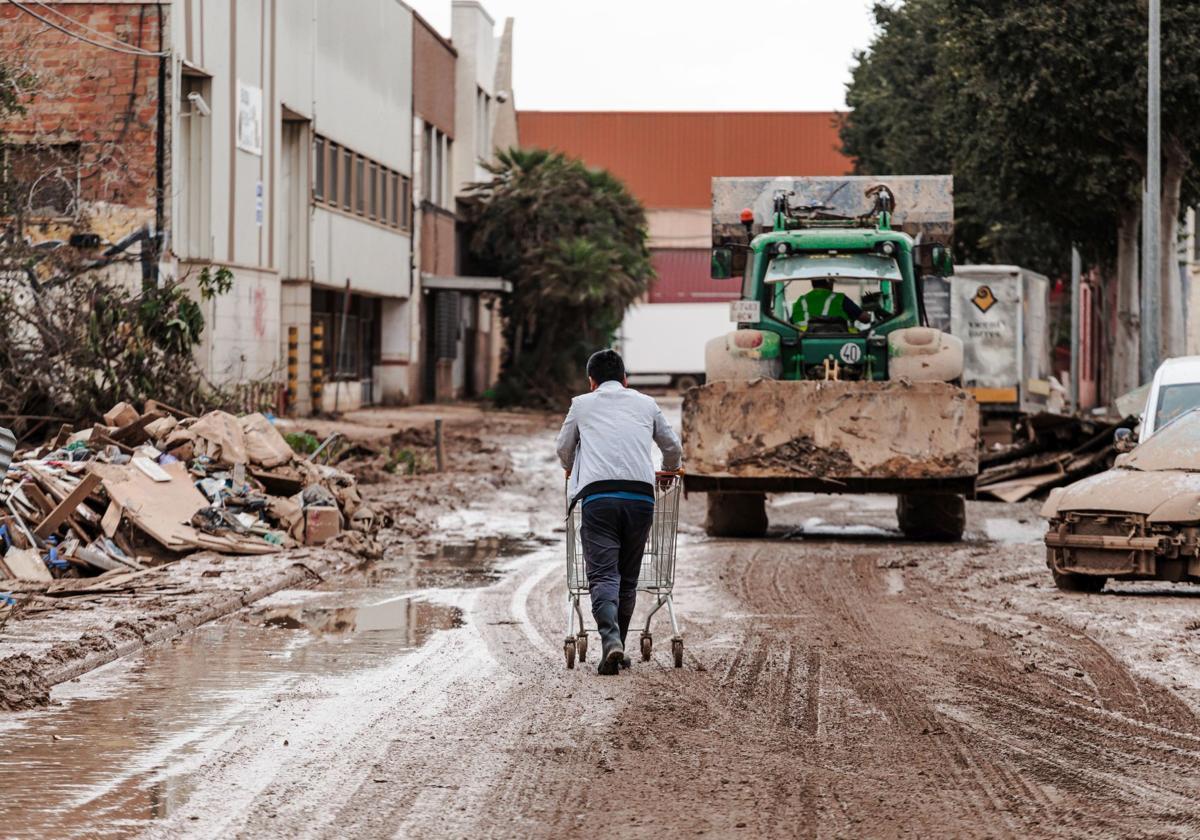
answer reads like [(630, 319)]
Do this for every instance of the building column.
[(296, 311), (395, 356)]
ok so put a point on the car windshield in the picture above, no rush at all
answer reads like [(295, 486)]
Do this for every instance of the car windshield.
[(1175, 446), (1175, 400), (869, 280)]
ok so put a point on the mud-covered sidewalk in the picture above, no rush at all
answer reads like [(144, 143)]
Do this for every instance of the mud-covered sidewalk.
[(61, 631)]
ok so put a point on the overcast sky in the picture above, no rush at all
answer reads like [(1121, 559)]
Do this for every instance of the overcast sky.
[(683, 55)]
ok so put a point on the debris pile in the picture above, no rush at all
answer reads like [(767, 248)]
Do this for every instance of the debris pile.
[(142, 488), (1052, 450)]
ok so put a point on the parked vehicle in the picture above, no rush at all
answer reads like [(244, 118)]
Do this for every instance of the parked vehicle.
[(1139, 520), (1174, 391), (663, 343), (815, 402)]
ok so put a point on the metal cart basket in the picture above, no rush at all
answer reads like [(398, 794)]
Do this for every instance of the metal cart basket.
[(657, 577)]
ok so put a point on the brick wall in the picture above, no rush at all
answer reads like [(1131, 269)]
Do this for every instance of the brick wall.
[(433, 77), (95, 107)]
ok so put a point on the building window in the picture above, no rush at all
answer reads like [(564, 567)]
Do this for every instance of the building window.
[(318, 169), (360, 185), (352, 182), (405, 203), (447, 156), (333, 157), (373, 179), (394, 218)]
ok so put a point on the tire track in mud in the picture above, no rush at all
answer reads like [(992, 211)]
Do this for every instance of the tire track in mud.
[(887, 652)]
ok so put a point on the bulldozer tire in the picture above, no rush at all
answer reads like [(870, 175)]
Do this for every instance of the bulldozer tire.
[(1071, 582), (935, 518), (736, 515)]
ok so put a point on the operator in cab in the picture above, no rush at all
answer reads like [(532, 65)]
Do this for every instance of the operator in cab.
[(823, 302)]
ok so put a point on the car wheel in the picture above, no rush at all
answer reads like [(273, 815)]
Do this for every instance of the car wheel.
[(1071, 582)]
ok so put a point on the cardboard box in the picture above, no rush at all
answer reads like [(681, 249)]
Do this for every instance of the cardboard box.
[(321, 524)]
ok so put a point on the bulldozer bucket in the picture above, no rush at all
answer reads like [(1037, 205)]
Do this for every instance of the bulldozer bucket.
[(774, 436)]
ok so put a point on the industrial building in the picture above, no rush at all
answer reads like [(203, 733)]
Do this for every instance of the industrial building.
[(279, 140)]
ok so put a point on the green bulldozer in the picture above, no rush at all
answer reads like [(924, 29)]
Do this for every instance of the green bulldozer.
[(832, 381)]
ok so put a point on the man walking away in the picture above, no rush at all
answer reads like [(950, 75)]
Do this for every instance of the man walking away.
[(604, 446)]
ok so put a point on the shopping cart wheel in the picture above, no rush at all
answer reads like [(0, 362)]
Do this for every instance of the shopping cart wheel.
[(569, 652), (677, 652), (647, 646), (581, 647)]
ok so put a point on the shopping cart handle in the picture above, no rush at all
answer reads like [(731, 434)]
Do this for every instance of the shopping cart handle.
[(665, 473)]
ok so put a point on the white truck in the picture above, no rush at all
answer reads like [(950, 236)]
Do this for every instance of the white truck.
[(663, 343)]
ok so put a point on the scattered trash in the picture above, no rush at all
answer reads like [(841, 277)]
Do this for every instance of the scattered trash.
[(1052, 450), (143, 488)]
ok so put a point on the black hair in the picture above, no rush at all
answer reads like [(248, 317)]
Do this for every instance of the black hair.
[(606, 366)]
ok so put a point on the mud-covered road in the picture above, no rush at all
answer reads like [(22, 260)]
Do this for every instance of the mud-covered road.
[(837, 683)]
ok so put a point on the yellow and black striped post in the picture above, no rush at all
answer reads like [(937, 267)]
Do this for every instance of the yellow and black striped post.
[(318, 364), (293, 367)]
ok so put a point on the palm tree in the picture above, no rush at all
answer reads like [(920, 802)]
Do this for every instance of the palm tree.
[(573, 243)]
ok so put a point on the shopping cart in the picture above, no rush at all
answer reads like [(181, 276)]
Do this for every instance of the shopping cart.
[(657, 577)]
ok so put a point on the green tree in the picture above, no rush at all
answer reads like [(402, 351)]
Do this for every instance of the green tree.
[(1038, 109), (572, 241)]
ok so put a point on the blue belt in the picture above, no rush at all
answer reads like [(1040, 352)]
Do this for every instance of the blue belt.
[(620, 494)]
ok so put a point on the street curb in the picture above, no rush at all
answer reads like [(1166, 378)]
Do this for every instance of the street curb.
[(295, 575)]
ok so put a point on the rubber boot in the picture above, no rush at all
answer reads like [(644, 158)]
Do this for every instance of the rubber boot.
[(624, 619), (605, 614)]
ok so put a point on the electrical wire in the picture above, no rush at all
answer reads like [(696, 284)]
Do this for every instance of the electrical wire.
[(127, 49), (101, 35)]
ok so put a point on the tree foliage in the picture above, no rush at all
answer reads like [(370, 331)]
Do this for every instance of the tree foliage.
[(1038, 109), (79, 331), (72, 350), (573, 243)]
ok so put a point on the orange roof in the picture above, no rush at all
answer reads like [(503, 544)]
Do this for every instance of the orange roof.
[(668, 157)]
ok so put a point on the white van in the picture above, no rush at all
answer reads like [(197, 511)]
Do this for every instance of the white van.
[(1174, 390)]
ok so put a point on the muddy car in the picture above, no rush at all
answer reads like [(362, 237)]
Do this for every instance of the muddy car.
[(1138, 521)]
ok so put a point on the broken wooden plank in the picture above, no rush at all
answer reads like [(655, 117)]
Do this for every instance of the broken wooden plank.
[(66, 507), (111, 519), (152, 406), (135, 433), (27, 564), (35, 494), (64, 434), (152, 470)]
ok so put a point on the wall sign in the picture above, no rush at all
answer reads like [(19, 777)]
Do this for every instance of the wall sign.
[(249, 118)]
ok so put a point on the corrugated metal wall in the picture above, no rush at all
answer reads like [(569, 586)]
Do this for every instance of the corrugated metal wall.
[(683, 277), (668, 158)]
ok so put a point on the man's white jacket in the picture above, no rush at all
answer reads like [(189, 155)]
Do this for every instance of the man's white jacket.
[(605, 442)]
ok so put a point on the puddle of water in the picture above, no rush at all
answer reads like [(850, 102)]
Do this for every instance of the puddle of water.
[(416, 619), (817, 527), (1013, 531), (123, 744)]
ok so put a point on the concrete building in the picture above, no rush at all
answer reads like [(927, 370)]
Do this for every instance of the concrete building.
[(299, 179), (464, 111), (270, 138)]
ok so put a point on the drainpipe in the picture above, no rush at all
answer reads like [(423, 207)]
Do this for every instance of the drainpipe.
[(160, 151)]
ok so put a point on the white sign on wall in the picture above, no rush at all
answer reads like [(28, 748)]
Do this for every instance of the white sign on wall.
[(249, 118)]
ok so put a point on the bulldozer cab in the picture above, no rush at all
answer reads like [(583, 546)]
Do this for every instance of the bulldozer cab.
[(863, 289)]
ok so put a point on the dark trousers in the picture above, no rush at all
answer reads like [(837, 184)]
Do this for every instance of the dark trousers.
[(614, 533)]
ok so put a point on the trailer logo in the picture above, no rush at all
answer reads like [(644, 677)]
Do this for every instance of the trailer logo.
[(850, 353), (984, 299)]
